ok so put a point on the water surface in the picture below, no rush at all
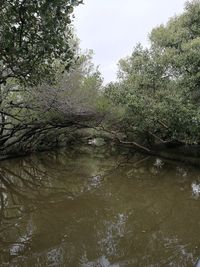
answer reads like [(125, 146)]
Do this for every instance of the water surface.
[(80, 208)]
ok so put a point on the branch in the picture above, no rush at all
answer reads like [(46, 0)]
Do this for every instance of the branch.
[(126, 142)]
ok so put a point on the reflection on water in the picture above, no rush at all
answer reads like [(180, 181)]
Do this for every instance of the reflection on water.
[(196, 189), (98, 210)]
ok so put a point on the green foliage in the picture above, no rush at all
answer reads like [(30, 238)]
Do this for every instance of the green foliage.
[(159, 87), (33, 34), (46, 115), (75, 93), (178, 44)]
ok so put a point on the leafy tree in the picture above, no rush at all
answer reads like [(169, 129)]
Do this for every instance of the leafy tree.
[(178, 45), (31, 119), (33, 34), (158, 88), (36, 45), (75, 93)]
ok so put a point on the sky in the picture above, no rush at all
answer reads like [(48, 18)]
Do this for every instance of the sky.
[(111, 28)]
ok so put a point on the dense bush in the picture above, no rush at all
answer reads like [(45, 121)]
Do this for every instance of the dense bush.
[(159, 88)]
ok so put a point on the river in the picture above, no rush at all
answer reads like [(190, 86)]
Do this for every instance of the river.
[(95, 208)]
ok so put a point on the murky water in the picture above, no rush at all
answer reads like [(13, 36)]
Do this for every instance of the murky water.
[(96, 209)]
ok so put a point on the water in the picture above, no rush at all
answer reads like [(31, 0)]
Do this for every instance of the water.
[(98, 209)]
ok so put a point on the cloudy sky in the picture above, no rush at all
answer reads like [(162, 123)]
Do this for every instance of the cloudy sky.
[(113, 27)]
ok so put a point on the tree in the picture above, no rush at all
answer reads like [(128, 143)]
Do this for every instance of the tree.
[(158, 88), (75, 93), (36, 47), (44, 116), (178, 44), (33, 34)]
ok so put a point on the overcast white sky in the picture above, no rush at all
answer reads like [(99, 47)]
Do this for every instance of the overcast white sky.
[(113, 27)]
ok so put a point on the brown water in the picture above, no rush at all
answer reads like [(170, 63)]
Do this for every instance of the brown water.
[(94, 209)]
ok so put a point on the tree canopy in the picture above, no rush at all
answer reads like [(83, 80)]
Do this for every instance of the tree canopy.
[(33, 34), (158, 87)]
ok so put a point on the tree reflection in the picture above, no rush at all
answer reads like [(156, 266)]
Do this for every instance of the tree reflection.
[(59, 209), (25, 186)]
